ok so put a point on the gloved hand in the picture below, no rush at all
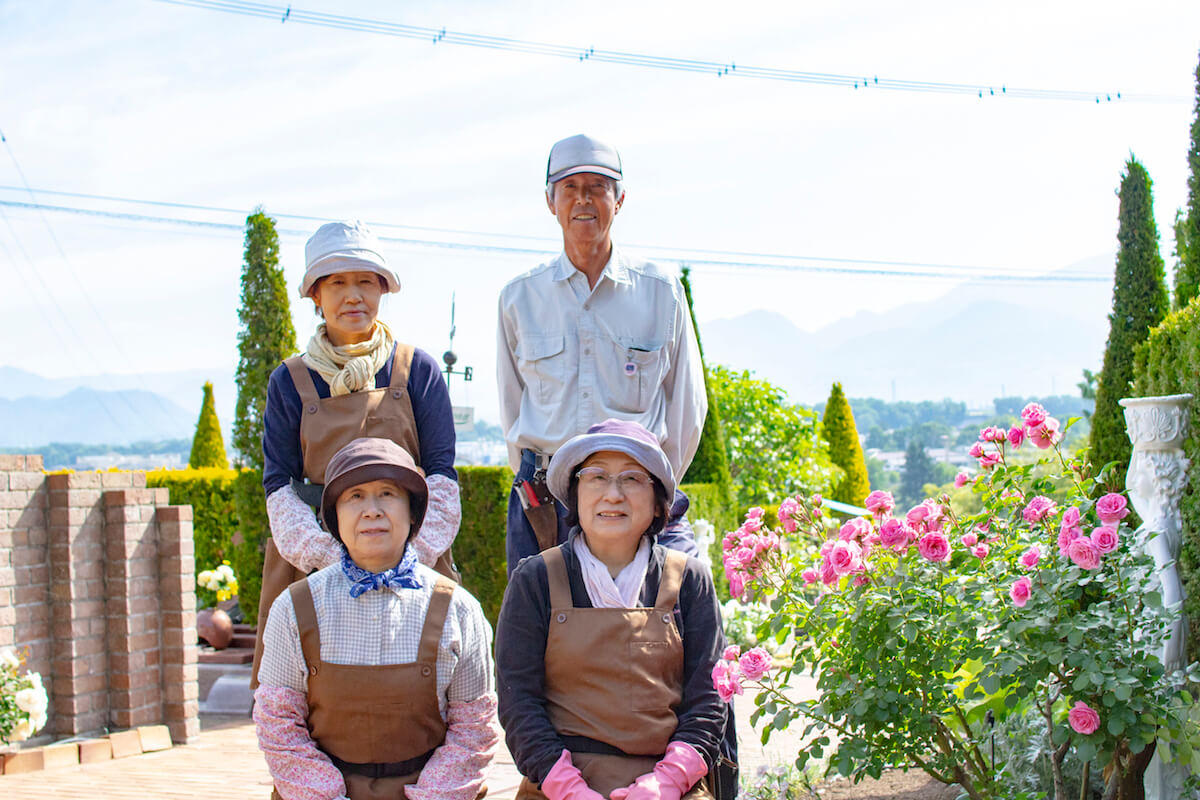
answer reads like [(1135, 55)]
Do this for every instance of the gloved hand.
[(564, 782), (677, 772)]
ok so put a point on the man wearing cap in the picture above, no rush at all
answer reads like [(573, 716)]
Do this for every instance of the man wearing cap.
[(354, 379), (590, 335)]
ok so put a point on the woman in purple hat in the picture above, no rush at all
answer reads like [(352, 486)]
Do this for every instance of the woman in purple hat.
[(376, 681), (605, 645), (354, 379)]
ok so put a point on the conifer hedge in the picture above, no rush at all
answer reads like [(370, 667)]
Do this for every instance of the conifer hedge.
[(1168, 362), (208, 447), (844, 449)]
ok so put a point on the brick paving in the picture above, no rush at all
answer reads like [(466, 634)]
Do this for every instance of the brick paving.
[(223, 763)]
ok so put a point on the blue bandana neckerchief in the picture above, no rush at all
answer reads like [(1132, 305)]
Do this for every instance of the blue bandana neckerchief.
[(403, 575)]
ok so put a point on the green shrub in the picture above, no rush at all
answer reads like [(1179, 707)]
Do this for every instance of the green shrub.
[(1168, 362), (844, 449), (209, 492), (208, 448), (250, 503), (479, 547)]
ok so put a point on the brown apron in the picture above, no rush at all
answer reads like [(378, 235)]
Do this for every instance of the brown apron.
[(614, 675), (327, 425), (370, 720)]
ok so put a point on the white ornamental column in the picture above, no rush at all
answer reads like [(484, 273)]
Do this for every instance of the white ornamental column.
[(1157, 475)]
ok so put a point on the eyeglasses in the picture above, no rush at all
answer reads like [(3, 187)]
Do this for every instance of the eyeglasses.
[(630, 481)]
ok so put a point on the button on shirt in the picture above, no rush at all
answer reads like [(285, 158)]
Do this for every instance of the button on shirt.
[(570, 356)]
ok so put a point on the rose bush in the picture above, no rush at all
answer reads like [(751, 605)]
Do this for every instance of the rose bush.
[(23, 701), (921, 629)]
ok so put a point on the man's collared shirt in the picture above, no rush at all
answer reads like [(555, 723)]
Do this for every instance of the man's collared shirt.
[(569, 357)]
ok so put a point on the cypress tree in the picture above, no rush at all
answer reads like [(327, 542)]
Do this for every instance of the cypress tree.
[(844, 448), (710, 464), (1139, 303), (918, 471), (208, 448), (267, 335), (1187, 226)]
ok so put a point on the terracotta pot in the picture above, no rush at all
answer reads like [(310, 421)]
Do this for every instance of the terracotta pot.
[(215, 627)]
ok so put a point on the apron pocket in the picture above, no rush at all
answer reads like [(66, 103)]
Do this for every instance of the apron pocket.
[(656, 675)]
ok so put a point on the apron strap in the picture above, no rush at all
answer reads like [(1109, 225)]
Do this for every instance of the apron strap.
[(306, 621), (401, 364), (302, 379), (672, 579), (435, 620), (556, 576)]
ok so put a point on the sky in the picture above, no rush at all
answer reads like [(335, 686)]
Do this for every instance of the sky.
[(157, 101)]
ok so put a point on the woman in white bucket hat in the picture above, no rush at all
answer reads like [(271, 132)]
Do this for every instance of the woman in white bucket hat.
[(353, 380)]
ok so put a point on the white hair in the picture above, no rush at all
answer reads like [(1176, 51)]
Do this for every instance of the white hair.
[(618, 188)]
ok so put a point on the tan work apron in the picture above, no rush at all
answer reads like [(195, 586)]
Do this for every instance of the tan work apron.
[(367, 717), (614, 675), (327, 424)]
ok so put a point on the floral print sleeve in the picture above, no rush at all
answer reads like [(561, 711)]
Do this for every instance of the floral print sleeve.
[(458, 767), (301, 771), (442, 516)]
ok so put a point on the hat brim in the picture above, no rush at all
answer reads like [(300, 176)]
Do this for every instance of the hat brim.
[(578, 449), (598, 170), (362, 261), (411, 480)]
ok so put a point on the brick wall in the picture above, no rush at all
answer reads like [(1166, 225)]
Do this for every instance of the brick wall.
[(97, 581)]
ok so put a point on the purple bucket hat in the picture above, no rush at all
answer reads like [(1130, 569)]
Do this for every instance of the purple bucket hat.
[(616, 435)]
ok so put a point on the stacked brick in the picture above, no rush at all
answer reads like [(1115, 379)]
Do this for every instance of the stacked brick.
[(97, 580)]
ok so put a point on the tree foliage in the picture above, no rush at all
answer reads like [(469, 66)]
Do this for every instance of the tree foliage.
[(1139, 303), (844, 449), (1187, 225), (710, 464), (774, 448), (267, 335), (918, 471), (208, 447)]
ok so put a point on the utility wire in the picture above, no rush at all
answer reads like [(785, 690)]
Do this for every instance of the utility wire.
[(843, 266), (731, 69)]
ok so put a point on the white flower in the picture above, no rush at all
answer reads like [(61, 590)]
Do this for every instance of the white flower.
[(32, 701), (21, 731), (204, 578), (8, 658), (38, 721), (226, 571)]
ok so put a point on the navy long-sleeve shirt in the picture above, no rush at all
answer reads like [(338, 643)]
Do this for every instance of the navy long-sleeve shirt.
[(521, 633), (283, 459)]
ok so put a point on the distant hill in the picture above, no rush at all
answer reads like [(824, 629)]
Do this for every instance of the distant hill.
[(975, 344), (89, 416)]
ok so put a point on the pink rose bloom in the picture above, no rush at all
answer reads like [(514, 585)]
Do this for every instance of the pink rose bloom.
[(969, 540), (1083, 718), (786, 509), (755, 513), (861, 580), (829, 575), (1039, 508), (894, 533), (1045, 435), (756, 663), (1033, 414), (934, 547), (826, 546), (992, 434), (1030, 558), (976, 450), (737, 583), (1084, 553), (1111, 508), (726, 680), (1070, 518), (816, 500), (981, 551), (1106, 539), (731, 653), (1020, 591), (961, 480), (1016, 436), (751, 525), (989, 459), (917, 514), (846, 557), (880, 503), (1065, 537), (855, 529), (810, 576)]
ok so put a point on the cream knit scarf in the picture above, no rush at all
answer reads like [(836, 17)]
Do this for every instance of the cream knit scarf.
[(351, 367)]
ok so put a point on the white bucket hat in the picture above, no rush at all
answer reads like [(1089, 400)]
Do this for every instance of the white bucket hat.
[(346, 246)]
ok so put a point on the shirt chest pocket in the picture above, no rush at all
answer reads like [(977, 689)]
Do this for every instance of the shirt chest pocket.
[(542, 361), (632, 373)]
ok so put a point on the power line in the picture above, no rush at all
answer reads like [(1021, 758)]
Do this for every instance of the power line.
[(818, 265), (716, 68)]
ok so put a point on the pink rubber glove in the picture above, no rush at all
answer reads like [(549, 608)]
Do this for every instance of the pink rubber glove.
[(678, 771), (564, 782)]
